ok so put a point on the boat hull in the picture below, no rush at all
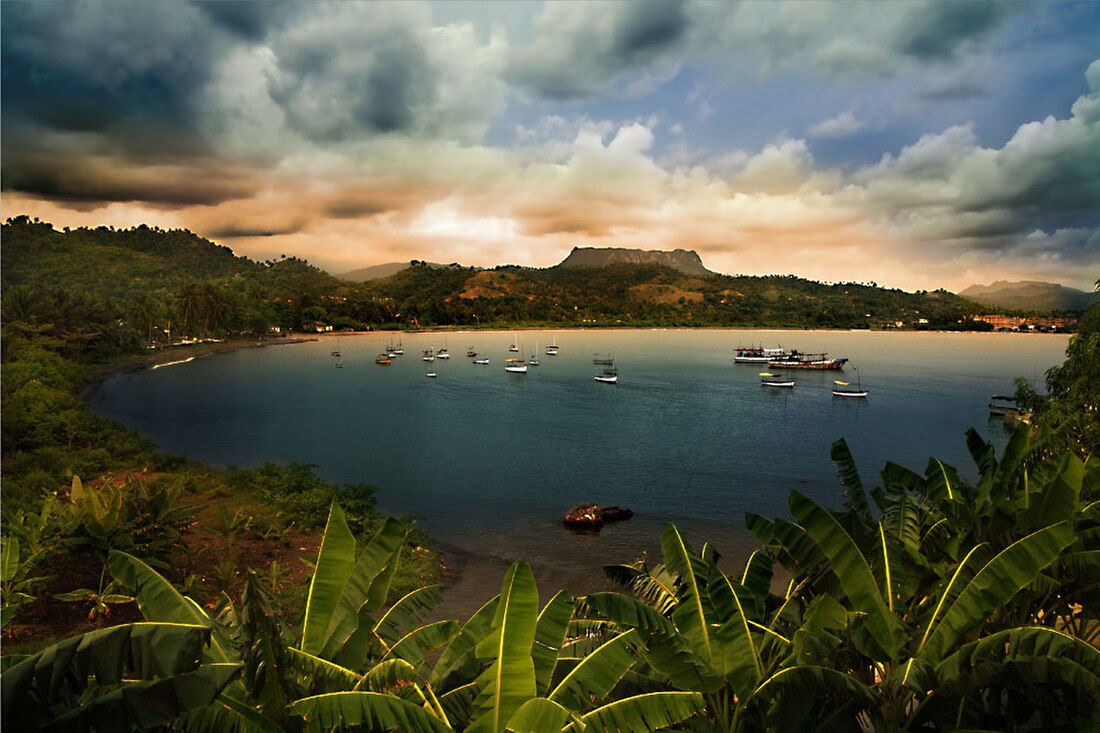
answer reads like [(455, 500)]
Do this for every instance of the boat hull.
[(849, 393), (823, 364)]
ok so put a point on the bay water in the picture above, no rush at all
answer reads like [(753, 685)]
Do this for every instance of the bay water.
[(489, 461)]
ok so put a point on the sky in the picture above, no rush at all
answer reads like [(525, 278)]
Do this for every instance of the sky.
[(916, 145)]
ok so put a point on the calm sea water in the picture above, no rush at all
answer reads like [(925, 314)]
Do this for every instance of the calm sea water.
[(489, 461)]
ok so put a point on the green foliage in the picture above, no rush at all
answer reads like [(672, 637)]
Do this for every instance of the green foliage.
[(134, 676), (302, 498)]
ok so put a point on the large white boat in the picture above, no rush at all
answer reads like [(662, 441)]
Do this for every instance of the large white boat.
[(757, 354), (516, 366), (798, 360)]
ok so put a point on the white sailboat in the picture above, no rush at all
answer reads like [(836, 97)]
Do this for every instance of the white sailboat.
[(845, 389), (516, 366), (606, 371), (552, 349), (534, 360)]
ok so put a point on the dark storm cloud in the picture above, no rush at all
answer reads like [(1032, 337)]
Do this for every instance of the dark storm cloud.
[(938, 30), (240, 232), (91, 181), (391, 87), (248, 19), (345, 81), (650, 27), (89, 82), (583, 48)]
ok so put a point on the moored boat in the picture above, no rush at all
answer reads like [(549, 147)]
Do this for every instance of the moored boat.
[(768, 379), (799, 360), (516, 366), (383, 359), (757, 354), (846, 389), (482, 360)]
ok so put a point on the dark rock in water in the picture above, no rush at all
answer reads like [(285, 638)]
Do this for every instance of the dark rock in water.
[(593, 516), (616, 513)]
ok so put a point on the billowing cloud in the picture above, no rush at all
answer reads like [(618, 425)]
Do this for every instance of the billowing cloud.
[(358, 133), (583, 47), (844, 124)]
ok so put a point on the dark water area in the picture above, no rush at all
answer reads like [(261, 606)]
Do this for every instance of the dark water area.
[(489, 461)]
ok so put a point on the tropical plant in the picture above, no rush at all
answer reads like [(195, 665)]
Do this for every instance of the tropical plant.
[(17, 584), (513, 668), (134, 676), (959, 597)]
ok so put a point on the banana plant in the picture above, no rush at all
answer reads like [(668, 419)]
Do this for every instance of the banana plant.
[(340, 642), (757, 659), (920, 644), (512, 667), (133, 676)]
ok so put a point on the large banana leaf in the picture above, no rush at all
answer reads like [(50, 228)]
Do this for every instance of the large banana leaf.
[(550, 629), (539, 715), (994, 585), (988, 655), (693, 615), (510, 679), (422, 640), (371, 710), (406, 612), (1055, 501), (343, 585), (808, 683), (459, 659), (158, 600), (855, 498), (321, 674), (627, 612), (651, 711), (597, 674), (335, 560), (736, 645), (852, 570), (158, 661)]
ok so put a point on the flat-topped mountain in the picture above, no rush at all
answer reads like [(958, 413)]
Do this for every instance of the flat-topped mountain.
[(1031, 295), (682, 260)]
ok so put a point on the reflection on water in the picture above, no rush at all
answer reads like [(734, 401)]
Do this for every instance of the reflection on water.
[(490, 461)]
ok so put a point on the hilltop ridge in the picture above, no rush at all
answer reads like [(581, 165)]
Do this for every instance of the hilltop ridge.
[(682, 260), (1030, 295)]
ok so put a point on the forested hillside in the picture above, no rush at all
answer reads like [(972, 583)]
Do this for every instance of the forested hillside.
[(155, 286)]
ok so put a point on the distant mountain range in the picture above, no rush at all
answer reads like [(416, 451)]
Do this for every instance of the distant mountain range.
[(682, 260), (1030, 295)]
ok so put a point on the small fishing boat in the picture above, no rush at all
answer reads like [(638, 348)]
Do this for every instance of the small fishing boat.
[(516, 366), (769, 379), (383, 359), (845, 389)]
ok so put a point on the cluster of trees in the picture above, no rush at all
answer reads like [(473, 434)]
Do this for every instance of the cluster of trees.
[(147, 285)]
